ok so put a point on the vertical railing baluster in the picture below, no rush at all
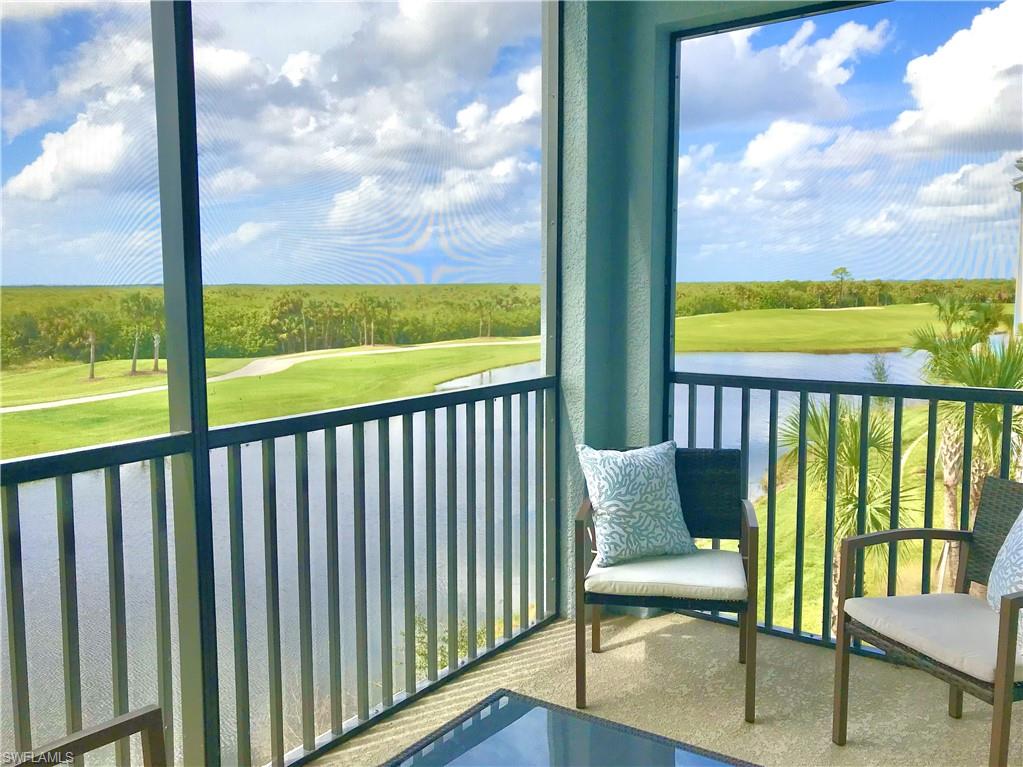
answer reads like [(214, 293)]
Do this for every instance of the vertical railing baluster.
[(335, 661), (893, 519), (540, 529), (1006, 457), (965, 491), (932, 444), (506, 513), (384, 526), (691, 417), (361, 597), (451, 555), (797, 590), (118, 612), (67, 569), (834, 405), (550, 458), (161, 591), (470, 526), (744, 440), (273, 601), (236, 534), (14, 591), (772, 503), (862, 487), (305, 598), (490, 554), (718, 414), (431, 545), (523, 399), (408, 551)]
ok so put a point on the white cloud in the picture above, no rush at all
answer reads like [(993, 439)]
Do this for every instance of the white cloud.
[(82, 155), (973, 192), (34, 10), (232, 182), (725, 79), (300, 66), (783, 141), (419, 114), (971, 87), (884, 223), (526, 105), (245, 234)]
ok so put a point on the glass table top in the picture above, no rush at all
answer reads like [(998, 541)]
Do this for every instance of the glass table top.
[(511, 729)]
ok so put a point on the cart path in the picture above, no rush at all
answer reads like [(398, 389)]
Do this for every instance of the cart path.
[(264, 366)]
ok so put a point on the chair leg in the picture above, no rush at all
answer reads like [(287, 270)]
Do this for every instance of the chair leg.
[(580, 655), (1000, 723), (742, 637), (595, 620), (751, 667), (840, 715), (955, 702)]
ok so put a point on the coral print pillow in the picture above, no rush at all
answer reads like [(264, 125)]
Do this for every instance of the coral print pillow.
[(1007, 571), (636, 507)]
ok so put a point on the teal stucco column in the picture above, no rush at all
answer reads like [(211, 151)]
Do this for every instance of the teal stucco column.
[(617, 175)]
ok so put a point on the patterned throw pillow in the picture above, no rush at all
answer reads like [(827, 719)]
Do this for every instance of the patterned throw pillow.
[(1007, 572), (636, 507)]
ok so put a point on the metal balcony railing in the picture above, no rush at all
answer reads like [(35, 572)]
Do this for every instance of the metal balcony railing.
[(406, 540), (971, 421)]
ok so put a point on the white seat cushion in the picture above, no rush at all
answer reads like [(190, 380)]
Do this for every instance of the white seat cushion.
[(705, 574), (956, 630)]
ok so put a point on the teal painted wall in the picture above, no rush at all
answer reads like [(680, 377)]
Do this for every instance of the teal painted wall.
[(615, 271)]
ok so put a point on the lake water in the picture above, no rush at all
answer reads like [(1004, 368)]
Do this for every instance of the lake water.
[(39, 541)]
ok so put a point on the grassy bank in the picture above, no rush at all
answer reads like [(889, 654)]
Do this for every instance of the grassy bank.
[(308, 386), (56, 382), (868, 329)]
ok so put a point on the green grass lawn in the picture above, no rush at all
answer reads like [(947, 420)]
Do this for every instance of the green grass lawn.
[(876, 328), (54, 382), (309, 386)]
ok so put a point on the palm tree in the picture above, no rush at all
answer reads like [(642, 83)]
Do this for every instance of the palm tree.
[(967, 359), (847, 473)]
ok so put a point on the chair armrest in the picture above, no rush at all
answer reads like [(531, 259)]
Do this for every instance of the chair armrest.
[(855, 543), (585, 512), (749, 549), (749, 515), (583, 522)]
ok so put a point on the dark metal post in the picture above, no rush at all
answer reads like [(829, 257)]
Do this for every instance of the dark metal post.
[(186, 376)]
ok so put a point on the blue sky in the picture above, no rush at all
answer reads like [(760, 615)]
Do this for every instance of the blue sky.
[(338, 142), (400, 143), (880, 139)]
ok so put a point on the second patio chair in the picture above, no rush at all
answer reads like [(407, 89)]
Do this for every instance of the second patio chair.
[(710, 488), (956, 637)]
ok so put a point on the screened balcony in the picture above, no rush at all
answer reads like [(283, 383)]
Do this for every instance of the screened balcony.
[(329, 587)]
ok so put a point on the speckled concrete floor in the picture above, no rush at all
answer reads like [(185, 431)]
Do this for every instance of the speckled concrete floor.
[(679, 677)]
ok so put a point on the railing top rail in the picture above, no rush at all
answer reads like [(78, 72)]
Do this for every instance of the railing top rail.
[(15, 471), (906, 391), (270, 428)]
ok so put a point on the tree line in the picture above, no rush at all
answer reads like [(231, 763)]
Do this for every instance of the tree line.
[(90, 324), (693, 298), (251, 322)]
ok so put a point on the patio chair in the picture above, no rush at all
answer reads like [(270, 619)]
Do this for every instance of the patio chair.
[(955, 637), (710, 487), (147, 722)]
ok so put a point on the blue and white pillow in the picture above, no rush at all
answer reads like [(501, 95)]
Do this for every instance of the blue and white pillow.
[(1007, 571), (636, 507)]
